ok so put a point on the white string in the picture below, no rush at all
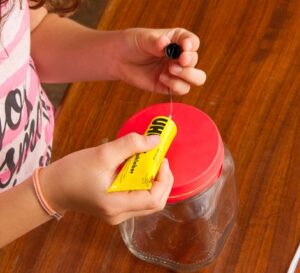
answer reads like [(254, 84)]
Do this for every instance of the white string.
[(295, 261), (171, 103)]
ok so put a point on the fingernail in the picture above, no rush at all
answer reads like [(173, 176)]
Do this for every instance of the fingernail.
[(175, 69), (153, 139), (203, 76), (188, 46)]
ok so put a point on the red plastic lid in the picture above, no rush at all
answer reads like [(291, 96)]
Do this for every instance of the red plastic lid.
[(197, 152)]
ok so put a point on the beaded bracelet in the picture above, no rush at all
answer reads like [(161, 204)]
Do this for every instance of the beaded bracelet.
[(42, 200)]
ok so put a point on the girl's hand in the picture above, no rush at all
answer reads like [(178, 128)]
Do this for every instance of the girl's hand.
[(79, 181), (142, 61)]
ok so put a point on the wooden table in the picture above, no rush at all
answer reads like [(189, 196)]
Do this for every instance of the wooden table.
[(251, 53)]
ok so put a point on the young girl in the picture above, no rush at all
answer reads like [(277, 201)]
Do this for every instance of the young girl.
[(36, 46)]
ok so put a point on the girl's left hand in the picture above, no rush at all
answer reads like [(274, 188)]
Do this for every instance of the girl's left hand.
[(142, 61)]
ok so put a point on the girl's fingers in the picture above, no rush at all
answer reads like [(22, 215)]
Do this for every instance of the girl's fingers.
[(156, 197), (179, 79), (188, 59), (162, 185), (153, 43), (175, 84), (188, 74), (161, 43), (188, 40), (122, 148), (159, 194), (144, 200)]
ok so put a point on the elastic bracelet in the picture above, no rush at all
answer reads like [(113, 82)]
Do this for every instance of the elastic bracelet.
[(41, 198)]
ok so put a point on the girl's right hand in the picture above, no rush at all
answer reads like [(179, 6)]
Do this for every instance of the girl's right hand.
[(80, 181)]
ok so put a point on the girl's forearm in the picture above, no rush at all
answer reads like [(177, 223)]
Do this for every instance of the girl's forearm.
[(20, 212), (65, 51)]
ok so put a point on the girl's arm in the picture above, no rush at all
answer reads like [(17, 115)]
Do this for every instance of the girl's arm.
[(65, 51), (20, 212)]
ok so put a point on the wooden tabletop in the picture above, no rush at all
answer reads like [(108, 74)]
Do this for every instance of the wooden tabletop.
[(250, 51)]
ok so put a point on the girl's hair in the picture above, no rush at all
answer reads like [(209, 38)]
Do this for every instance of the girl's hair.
[(59, 6)]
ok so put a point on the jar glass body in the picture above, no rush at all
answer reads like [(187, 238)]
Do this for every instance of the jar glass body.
[(189, 234)]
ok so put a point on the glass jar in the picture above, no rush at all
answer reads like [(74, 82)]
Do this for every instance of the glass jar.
[(191, 230)]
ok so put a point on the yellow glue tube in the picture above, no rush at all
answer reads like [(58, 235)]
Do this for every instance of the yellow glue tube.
[(139, 171)]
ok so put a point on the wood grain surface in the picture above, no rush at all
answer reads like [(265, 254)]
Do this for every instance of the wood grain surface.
[(251, 53)]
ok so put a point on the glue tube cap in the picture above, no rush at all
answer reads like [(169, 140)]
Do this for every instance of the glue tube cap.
[(197, 152)]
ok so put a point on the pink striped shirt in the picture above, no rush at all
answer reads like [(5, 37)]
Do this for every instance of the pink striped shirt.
[(26, 115)]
